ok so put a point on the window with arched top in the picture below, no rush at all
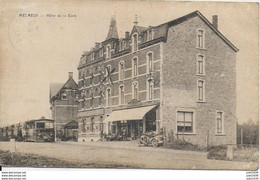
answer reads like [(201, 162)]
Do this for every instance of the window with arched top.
[(135, 90), (100, 97), (108, 97), (201, 90), (121, 69), (200, 38), (134, 42), (92, 99), (200, 65), (108, 53), (121, 94), (135, 66), (150, 62), (150, 86)]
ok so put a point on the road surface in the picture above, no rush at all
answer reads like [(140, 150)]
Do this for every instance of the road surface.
[(126, 153)]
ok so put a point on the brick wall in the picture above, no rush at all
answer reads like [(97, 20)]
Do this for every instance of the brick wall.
[(180, 82)]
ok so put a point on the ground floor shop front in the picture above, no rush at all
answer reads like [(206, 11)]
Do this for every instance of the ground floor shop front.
[(120, 124)]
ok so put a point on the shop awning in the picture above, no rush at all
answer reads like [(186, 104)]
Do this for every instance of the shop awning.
[(128, 114)]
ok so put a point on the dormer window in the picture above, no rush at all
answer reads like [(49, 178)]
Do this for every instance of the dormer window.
[(122, 45), (150, 34), (134, 42), (92, 56), (108, 53)]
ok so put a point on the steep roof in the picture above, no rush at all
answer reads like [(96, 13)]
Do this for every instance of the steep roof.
[(112, 33), (55, 88), (141, 29)]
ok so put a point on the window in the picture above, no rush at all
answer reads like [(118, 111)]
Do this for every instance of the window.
[(184, 122), (100, 97), (121, 45), (91, 99), (121, 95), (40, 125), (150, 35), (135, 67), (108, 73), (201, 90), (219, 122), (121, 71), (91, 78), (200, 65), (83, 94), (92, 56), (92, 124), (84, 125), (108, 97), (150, 62), (200, 39), (134, 42), (63, 96), (135, 90), (150, 89), (108, 51)]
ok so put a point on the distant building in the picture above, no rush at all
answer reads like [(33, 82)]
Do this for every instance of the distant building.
[(64, 107), (179, 76), (39, 130)]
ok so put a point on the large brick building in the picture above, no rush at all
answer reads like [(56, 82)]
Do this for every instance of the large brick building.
[(179, 76), (64, 107)]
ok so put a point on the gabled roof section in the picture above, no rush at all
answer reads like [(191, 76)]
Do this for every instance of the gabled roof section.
[(55, 88), (112, 33), (197, 13), (141, 29)]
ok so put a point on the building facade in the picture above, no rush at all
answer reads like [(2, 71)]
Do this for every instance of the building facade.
[(179, 76), (64, 107)]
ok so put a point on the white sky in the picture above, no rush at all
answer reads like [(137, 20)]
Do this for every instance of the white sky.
[(37, 51)]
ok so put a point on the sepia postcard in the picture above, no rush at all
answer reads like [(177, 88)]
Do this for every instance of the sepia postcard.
[(129, 85)]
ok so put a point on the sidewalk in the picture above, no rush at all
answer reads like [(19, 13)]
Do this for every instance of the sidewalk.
[(134, 146)]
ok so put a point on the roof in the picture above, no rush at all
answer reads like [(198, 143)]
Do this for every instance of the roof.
[(141, 28), (161, 30), (197, 13), (112, 33), (42, 119), (55, 88)]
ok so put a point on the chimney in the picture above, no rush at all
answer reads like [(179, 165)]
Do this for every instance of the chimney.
[(127, 34), (215, 21), (136, 21), (70, 75)]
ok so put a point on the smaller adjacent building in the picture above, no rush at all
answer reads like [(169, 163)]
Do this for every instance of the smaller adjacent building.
[(39, 130), (64, 107)]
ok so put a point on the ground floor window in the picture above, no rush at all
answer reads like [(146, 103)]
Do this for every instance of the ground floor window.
[(185, 121)]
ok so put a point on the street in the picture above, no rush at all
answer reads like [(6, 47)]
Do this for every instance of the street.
[(126, 153)]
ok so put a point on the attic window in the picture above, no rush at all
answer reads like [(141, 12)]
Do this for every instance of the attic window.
[(63, 96), (108, 53), (122, 45), (150, 34)]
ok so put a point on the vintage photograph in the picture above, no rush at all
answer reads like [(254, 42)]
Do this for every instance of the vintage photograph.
[(132, 85)]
